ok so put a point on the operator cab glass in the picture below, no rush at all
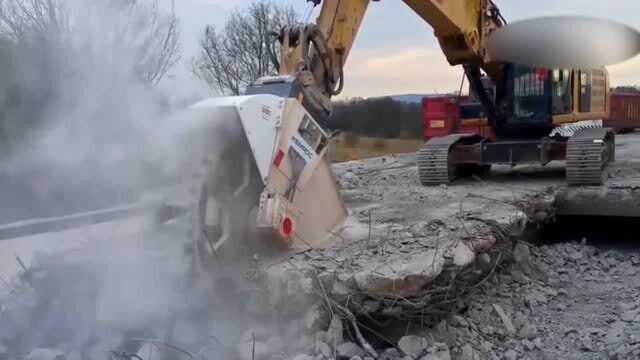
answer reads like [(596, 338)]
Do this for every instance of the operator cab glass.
[(531, 96), (539, 95), (474, 109), (562, 97)]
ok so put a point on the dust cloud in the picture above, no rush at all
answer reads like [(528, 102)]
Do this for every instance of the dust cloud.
[(106, 138), (93, 113), (125, 289)]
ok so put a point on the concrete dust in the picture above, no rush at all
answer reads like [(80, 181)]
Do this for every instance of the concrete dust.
[(125, 291), (89, 145)]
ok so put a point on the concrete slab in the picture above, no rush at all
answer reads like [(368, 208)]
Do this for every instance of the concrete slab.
[(400, 236), (608, 201)]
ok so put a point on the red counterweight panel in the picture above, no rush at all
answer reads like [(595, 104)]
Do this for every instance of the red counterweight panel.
[(625, 112), (440, 116)]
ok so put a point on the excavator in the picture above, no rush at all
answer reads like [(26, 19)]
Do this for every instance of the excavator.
[(275, 144)]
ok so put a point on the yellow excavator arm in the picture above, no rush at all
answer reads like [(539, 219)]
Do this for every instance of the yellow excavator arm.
[(462, 28), (315, 54), (289, 182), (336, 27)]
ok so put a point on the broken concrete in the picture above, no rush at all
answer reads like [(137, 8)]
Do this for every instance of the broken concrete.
[(400, 275), (413, 346), (401, 236), (403, 243), (349, 350), (506, 320), (616, 199)]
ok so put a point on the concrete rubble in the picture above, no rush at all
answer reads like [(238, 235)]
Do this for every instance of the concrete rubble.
[(434, 273), (560, 313)]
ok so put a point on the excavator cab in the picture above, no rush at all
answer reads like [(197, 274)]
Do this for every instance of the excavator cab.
[(541, 99), (531, 106)]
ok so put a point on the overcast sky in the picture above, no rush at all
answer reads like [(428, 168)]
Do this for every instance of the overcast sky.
[(396, 51)]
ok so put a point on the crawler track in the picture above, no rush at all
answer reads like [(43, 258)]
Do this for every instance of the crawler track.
[(435, 165), (589, 152)]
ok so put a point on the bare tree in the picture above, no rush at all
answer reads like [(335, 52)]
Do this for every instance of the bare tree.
[(143, 29), (22, 19), (157, 47), (233, 57)]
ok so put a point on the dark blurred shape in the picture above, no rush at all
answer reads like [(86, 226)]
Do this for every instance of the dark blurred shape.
[(564, 42), (382, 117)]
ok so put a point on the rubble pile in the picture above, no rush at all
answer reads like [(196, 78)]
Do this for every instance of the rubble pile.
[(425, 273), (408, 251), (561, 301), (536, 303), (567, 301)]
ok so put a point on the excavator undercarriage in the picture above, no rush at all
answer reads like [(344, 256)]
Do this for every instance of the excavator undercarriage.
[(588, 154)]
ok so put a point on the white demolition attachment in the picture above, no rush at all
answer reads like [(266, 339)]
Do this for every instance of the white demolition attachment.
[(299, 200)]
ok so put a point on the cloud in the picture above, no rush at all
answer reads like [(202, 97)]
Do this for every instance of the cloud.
[(371, 73), (416, 70), (405, 57)]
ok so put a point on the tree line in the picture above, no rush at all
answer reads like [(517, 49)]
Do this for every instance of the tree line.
[(627, 89), (382, 117)]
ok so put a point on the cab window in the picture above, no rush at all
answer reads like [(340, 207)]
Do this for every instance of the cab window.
[(312, 134), (562, 93), (530, 99), (585, 91)]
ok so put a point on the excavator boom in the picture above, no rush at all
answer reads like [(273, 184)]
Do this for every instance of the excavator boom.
[(284, 182), (315, 54)]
